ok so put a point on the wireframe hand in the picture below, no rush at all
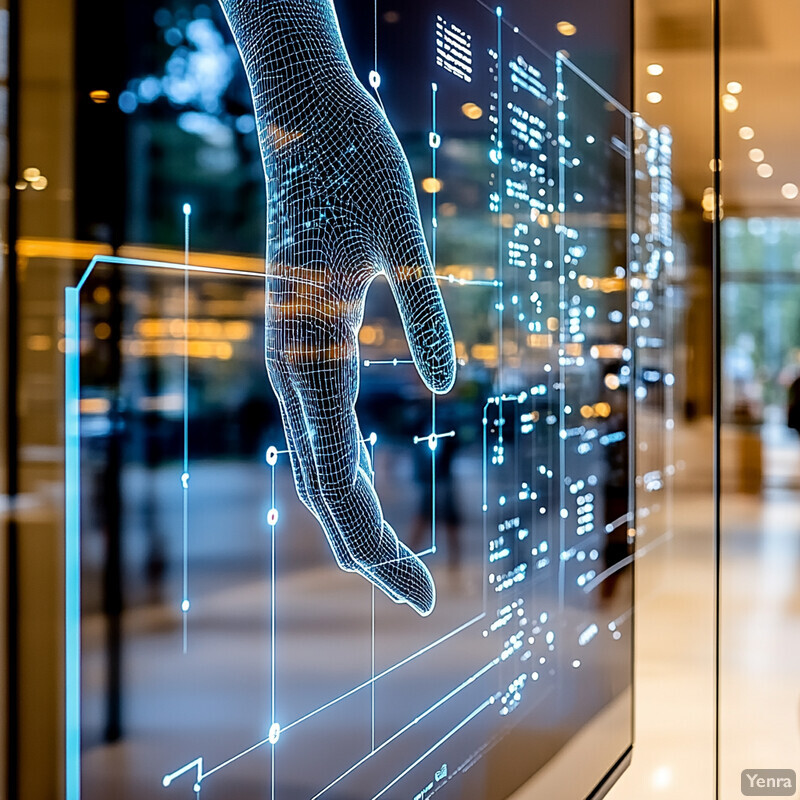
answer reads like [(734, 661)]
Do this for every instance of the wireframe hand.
[(341, 210)]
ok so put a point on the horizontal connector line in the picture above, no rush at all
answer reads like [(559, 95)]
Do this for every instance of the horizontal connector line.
[(392, 362), (411, 724), (438, 744), (135, 262), (468, 281), (431, 437)]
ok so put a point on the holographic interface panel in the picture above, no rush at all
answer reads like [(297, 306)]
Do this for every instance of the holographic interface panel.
[(464, 283)]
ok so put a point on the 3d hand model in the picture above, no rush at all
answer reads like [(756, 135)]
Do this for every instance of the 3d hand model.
[(341, 210)]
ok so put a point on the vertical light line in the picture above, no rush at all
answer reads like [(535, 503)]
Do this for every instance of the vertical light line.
[(434, 143), (72, 545), (372, 676), (562, 448), (433, 444), (187, 212), (500, 271), (273, 666), (375, 53)]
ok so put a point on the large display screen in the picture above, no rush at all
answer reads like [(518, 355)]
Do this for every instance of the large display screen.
[(228, 639)]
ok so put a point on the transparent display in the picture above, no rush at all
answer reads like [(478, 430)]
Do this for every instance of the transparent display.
[(217, 645)]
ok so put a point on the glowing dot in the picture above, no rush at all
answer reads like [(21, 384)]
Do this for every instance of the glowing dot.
[(764, 170), (272, 455), (576, 664), (374, 79), (274, 733), (373, 437), (746, 133), (272, 517), (734, 87), (185, 606), (431, 185), (187, 209), (566, 28), (654, 97), (31, 173), (756, 154), (99, 96), (789, 191), (39, 183), (655, 69), (166, 781)]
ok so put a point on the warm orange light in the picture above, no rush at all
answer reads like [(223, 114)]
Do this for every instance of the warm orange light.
[(472, 111), (431, 185), (654, 97), (99, 96), (566, 28)]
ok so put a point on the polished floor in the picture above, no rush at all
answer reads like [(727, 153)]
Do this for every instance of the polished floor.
[(760, 638)]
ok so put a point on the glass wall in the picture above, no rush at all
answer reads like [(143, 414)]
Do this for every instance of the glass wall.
[(760, 463)]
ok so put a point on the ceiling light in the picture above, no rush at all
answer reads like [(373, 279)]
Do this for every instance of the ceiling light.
[(472, 111), (790, 191), (756, 154), (655, 69), (566, 28), (734, 87), (654, 97), (729, 102), (764, 170), (746, 133)]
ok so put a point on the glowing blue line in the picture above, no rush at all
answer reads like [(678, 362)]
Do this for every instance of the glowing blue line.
[(72, 554), (272, 620), (433, 436), (469, 282), (196, 764), (438, 744), (185, 477), (411, 724), (432, 442), (485, 420), (392, 362), (562, 296), (434, 220), (199, 762), (139, 262), (372, 672), (594, 85), (500, 193), (388, 670)]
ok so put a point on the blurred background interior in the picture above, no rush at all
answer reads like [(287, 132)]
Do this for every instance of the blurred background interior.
[(105, 130)]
